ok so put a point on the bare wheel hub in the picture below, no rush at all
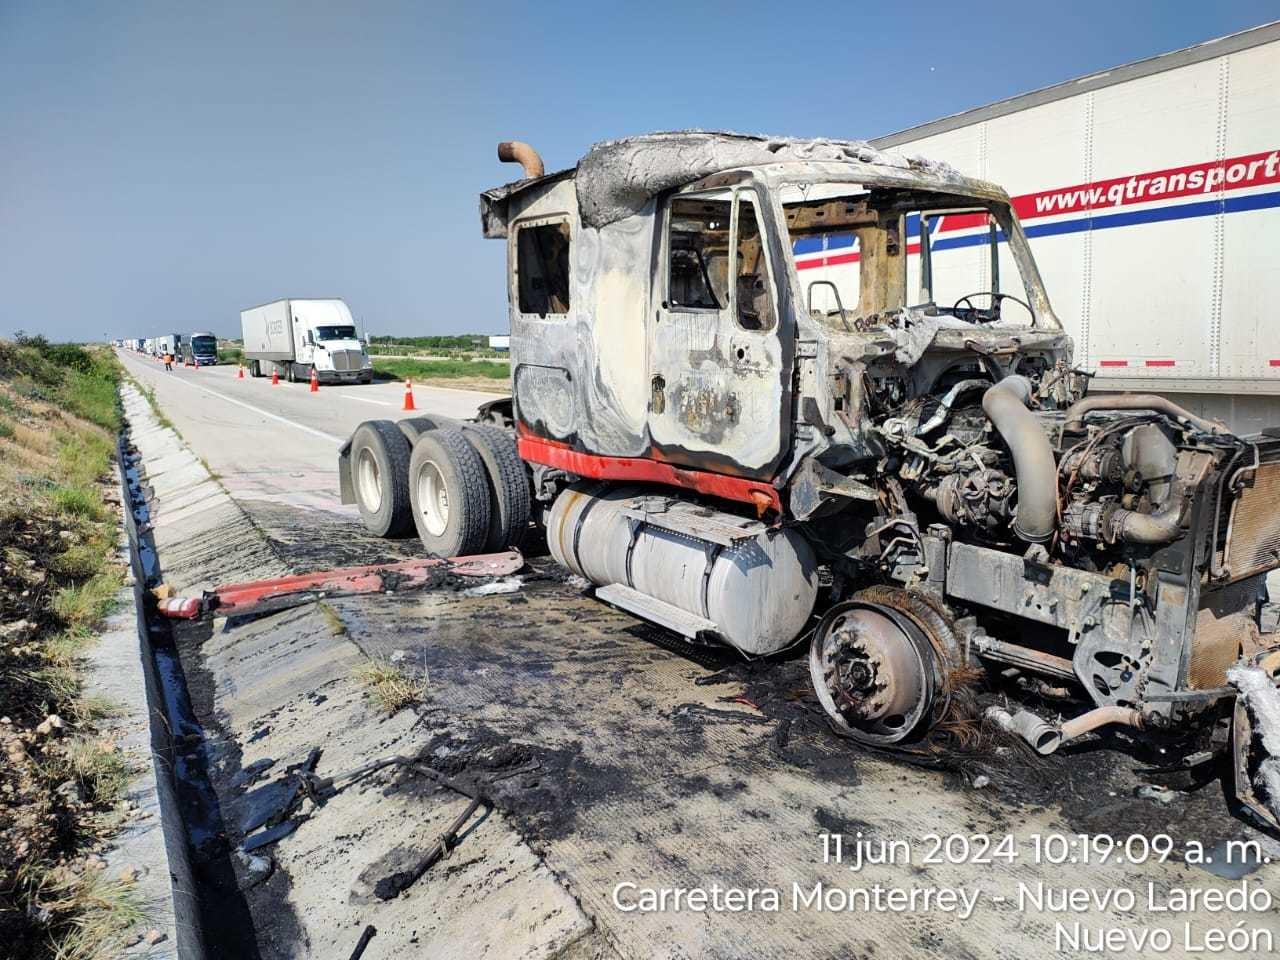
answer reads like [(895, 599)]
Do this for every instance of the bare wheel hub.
[(874, 672), (369, 478)]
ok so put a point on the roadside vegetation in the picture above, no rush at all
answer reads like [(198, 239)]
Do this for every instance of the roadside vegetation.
[(60, 780), (462, 347), (389, 687), (494, 377)]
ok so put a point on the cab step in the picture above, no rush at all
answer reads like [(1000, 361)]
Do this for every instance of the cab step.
[(657, 611)]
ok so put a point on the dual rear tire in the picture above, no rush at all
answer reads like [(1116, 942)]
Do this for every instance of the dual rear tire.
[(462, 487)]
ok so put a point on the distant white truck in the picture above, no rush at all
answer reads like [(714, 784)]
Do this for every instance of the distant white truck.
[(169, 343), (294, 337), (1151, 196)]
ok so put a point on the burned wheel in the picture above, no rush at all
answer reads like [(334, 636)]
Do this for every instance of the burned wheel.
[(380, 477), (449, 491), (875, 672), (509, 495)]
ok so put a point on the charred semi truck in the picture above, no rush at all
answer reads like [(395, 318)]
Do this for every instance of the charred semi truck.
[(911, 483)]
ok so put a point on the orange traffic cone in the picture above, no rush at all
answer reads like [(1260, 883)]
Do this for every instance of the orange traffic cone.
[(275, 377), (315, 381), (408, 396), (240, 372)]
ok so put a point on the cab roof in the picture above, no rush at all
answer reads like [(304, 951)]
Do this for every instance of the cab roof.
[(617, 178)]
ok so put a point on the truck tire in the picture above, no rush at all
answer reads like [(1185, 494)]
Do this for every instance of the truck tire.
[(508, 485), (290, 374), (380, 477), (255, 370), (449, 491)]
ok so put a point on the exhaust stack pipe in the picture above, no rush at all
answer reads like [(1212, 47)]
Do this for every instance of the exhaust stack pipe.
[(517, 151)]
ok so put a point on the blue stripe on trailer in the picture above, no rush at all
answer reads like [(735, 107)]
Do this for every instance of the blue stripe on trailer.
[(1184, 211), (1128, 218)]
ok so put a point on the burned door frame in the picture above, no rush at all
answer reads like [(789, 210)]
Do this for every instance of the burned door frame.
[(542, 386), (720, 392)]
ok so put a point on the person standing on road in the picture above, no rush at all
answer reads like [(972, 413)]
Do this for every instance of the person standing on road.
[(168, 362)]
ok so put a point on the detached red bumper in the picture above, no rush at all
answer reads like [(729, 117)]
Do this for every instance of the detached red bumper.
[(250, 596)]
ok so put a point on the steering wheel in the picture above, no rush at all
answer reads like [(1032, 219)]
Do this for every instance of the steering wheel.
[(972, 314)]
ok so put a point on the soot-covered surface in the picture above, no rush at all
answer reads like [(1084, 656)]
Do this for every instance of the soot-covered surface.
[(626, 755)]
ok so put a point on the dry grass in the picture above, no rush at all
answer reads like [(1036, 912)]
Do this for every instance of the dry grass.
[(390, 687), (332, 619), (58, 536), (102, 912), (96, 766), (86, 603), (150, 393)]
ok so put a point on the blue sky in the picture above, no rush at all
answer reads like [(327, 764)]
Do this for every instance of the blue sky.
[(163, 165)]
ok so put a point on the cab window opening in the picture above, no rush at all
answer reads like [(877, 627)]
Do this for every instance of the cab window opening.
[(863, 254), (542, 268)]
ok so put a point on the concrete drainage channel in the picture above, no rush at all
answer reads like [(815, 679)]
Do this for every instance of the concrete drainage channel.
[(204, 894), (241, 706)]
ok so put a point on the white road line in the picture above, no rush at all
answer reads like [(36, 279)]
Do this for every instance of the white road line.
[(265, 413), (381, 403)]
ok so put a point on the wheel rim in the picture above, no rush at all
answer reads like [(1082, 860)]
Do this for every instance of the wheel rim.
[(873, 671), (433, 499), (369, 481)]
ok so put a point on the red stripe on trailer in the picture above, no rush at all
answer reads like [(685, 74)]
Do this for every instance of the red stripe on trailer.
[(1161, 363), (1273, 363), (553, 453), (1113, 363)]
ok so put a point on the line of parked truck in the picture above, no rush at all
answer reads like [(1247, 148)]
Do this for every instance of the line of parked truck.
[(289, 338), (199, 348)]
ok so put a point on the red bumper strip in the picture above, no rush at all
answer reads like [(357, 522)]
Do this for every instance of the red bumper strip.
[(239, 598), (643, 470)]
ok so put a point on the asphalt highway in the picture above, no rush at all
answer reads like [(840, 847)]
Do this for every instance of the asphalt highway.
[(279, 443)]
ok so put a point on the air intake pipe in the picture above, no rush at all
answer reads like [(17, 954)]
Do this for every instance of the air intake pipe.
[(517, 151), (1007, 405), (1138, 401)]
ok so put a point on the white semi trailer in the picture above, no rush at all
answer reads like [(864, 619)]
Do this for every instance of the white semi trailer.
[(1151, 197), (170, 343), (295, 337)]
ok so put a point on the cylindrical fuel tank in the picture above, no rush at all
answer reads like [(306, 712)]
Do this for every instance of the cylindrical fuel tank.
[(756, 584)]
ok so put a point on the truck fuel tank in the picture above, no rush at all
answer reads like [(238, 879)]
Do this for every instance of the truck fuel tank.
[(754, 586)]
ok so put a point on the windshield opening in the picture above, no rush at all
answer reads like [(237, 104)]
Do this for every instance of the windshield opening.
[(204, 344), (863, 254), (336, 333)]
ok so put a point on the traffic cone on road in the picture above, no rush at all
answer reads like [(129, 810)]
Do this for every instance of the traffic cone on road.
[(315, 381), (240, 372), (275, 377), (408, 396)]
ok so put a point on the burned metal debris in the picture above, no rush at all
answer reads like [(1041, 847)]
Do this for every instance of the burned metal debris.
[(263, 596), (388, 885), (274, 808)]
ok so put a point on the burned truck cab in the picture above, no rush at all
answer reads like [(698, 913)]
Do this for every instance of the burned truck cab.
[(745, 369)]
